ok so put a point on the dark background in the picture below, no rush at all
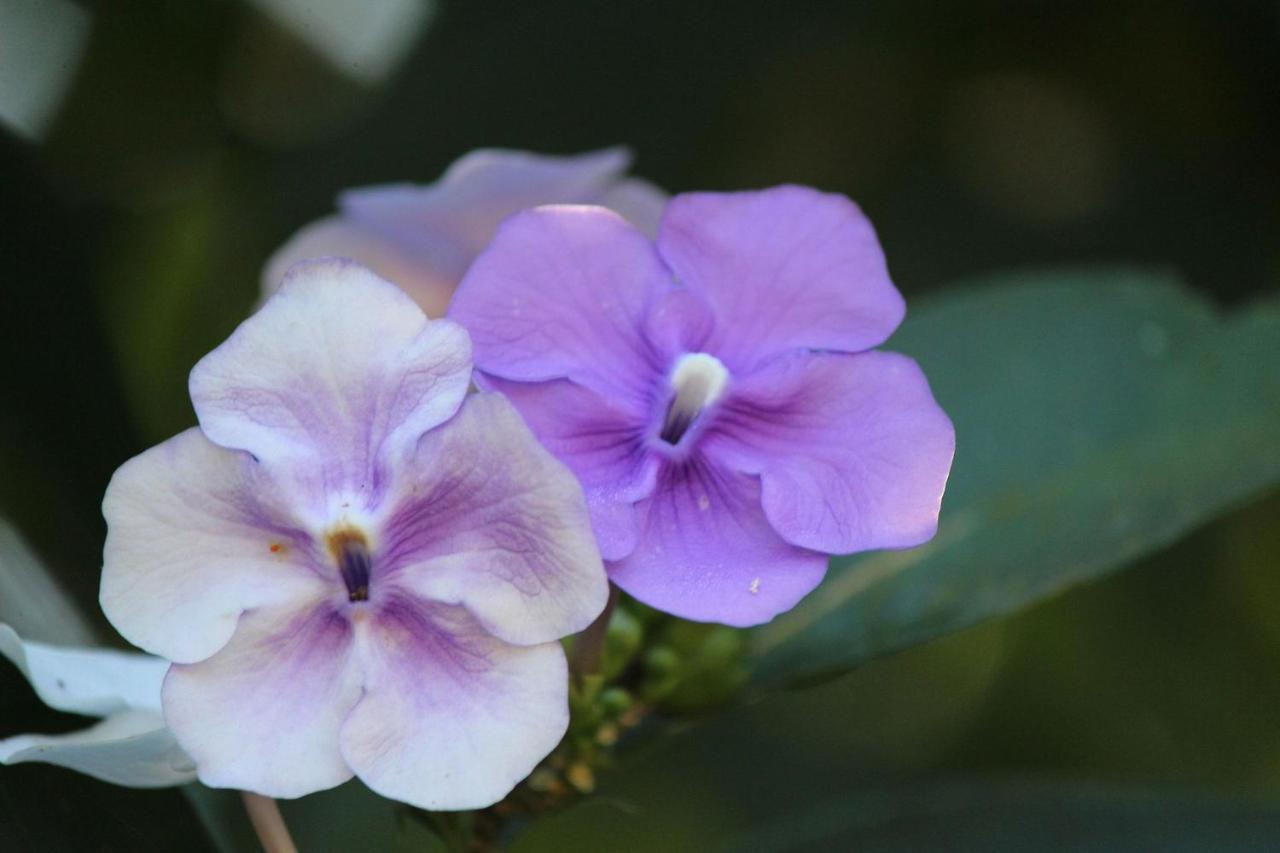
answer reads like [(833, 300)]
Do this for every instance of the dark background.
[(978, 136)]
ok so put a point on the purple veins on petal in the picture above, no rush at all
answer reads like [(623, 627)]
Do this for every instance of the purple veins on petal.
[(263, 712), (451, 716), (505, 532), (705, 536)]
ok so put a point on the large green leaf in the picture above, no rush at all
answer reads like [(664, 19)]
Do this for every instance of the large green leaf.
[(988, 816), (1098, 416)]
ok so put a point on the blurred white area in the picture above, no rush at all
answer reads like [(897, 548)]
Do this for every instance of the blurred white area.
[(41, 45), (363, 39)]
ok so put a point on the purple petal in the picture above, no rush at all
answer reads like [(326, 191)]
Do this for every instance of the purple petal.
[(496, 524), (334, 379), (679, 321), (335, 237), (562, 293), (423, 238), (449, 222), (600, 443), (196, 534), (452, 718), (264, 713), (783, 268), (706, 551), (852, 450)]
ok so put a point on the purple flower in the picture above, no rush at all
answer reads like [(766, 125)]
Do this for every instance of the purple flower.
[(353, 570), (423, 238), (715, 392)]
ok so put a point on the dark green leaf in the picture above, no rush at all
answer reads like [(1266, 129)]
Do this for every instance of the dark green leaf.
[(1098, 416), (987, 816)]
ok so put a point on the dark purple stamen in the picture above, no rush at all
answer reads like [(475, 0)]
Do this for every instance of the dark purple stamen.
[(676, 424), (352, 554)]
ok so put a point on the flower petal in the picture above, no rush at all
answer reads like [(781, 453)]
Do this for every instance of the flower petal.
[(196, 533), (599, 442), (679, 322), (639, 202), (852, 450), (335, 237), (707, 553), (783, 268), (450, 221), (263, 714), (496, 524), (131, 748), (423, 238), (562, 293), (335, 377), (86, 680), (451, 718)]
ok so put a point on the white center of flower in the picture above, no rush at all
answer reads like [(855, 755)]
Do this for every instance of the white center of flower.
[(698, 380)]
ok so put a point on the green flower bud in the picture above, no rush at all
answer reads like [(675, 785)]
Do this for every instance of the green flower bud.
[(615, 701)]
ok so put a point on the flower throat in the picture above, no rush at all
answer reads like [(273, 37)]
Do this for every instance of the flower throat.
[(351, 551), (697, 381)]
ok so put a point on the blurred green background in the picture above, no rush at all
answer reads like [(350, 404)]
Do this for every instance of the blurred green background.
[(188, 140)]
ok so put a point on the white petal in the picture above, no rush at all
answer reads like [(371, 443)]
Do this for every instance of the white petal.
[(86, 681), (196, 534), (131, 748), (333, 379)]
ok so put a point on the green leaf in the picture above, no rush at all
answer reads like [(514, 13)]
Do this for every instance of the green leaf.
[(1098, 416), (177, 280), (988, 816)]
